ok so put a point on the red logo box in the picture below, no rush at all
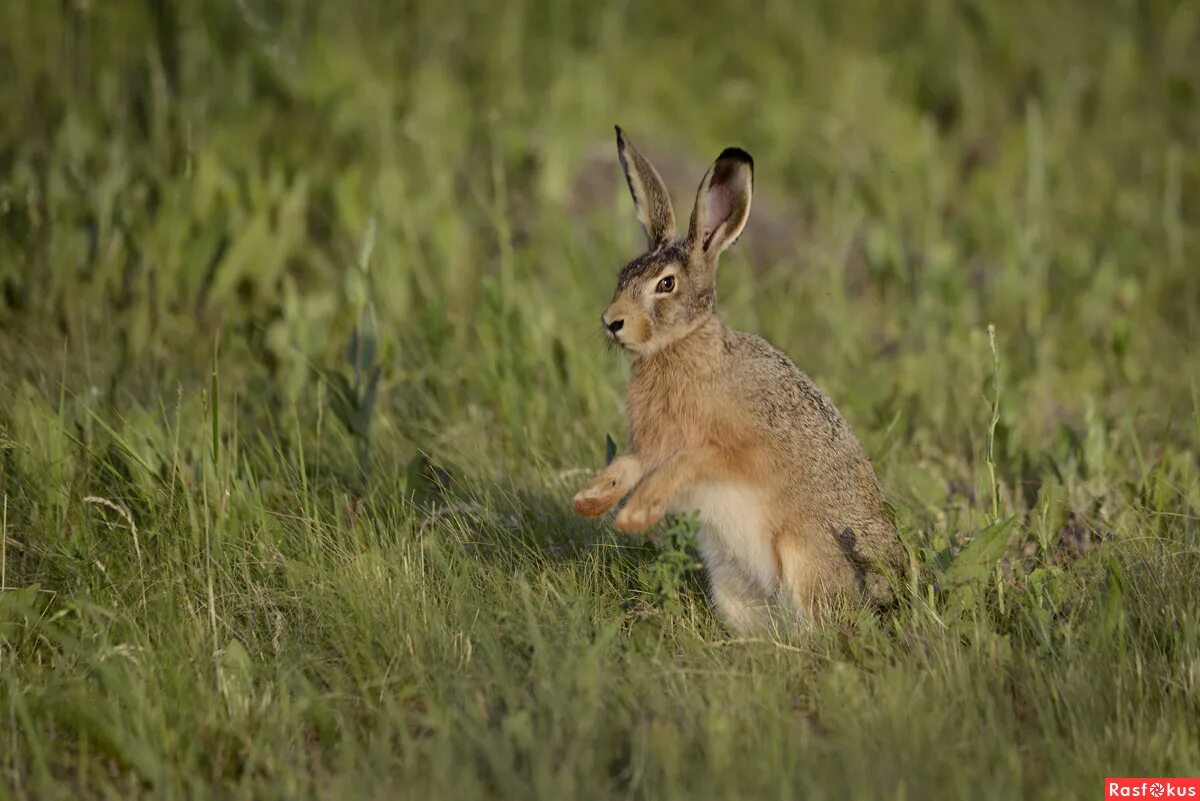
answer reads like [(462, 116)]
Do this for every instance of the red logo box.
[(1151, 788)]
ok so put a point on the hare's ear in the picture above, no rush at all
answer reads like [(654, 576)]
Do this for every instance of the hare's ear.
[(649, 193), (722, 203)]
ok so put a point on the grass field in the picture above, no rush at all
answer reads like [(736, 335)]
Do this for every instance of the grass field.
[(300, 367)]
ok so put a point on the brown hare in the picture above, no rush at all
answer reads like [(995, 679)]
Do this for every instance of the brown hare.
[(724, 424)]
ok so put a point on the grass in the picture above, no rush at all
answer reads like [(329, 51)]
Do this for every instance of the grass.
[(299, 370)]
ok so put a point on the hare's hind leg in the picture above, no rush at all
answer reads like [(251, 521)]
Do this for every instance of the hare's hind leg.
[(814, 569), (740, 602)]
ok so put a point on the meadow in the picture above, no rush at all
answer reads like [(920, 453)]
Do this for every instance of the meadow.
[(300, 366)]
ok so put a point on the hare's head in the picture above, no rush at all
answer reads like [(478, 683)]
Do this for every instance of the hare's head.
[(664, 294)]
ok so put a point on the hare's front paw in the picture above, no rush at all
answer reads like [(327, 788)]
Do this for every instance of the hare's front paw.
[(640, 513), (596, 498)]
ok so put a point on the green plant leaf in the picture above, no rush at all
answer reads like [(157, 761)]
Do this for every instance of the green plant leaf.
[(981, 555), (1114, 600)]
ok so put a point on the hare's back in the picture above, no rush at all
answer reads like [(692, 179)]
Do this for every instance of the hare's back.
[(778, 394), (820, 463)]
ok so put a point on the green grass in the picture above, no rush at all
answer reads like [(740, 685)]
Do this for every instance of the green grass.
[(299, 370)]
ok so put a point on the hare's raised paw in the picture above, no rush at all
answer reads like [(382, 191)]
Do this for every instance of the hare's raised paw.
[(595, 500), (640, 514), (608, 487)]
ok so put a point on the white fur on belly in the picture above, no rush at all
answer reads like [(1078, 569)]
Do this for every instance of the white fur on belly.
[(732, 529)]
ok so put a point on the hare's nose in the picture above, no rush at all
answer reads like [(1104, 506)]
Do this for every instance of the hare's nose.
[(614, 326)]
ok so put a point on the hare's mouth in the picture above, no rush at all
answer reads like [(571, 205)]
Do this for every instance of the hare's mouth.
[(621, 338), (626, 327), (617, 330)]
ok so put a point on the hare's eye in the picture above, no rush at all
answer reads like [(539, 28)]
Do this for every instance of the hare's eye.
[(666, 284)]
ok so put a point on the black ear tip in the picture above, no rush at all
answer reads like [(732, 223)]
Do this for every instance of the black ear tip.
[(736, 154), (620, 135)]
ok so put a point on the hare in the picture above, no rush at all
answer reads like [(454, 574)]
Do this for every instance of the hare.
[(724, 424)]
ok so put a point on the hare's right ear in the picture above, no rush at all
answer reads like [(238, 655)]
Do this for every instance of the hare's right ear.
[(722, 203), (649, 193)]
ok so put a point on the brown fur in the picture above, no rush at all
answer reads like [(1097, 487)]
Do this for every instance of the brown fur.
[(724, 413)]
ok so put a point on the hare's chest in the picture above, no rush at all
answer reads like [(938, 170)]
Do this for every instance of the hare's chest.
[(662, 424), (733, 529)]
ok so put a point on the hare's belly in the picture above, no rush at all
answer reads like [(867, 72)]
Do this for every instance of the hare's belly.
[(733, 529)]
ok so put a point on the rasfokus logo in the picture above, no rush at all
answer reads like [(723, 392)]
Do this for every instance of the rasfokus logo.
[(1151, 788)]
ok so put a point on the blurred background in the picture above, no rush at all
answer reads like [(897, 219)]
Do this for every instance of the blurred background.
[(267, 174), (290, 283)]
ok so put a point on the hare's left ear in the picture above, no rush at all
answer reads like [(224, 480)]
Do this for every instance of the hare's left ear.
[(649, 193), (722, 203)]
